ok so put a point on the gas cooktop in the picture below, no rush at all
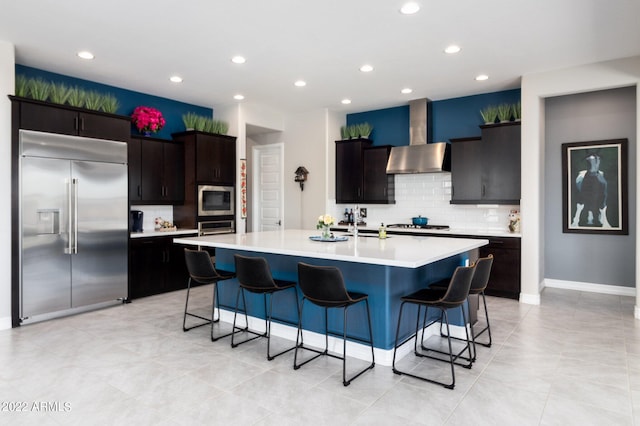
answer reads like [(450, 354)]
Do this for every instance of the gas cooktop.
[(412, 226)]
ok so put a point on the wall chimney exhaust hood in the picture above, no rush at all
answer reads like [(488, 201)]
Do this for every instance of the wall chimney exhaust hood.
[(420, 156)]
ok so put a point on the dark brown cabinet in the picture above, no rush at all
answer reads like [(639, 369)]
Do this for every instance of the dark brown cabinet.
[(156, 171), (361, 175), (156, 265), (504, 280), (209, 159), (63, 119), (379, 187), (214, 156), (487, 170)]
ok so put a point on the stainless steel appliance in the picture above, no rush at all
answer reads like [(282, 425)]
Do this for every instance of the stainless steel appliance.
[(214, 227), (73, 224), (216, 200)]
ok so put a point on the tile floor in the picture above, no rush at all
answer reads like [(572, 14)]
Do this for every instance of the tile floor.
[(573, 360)]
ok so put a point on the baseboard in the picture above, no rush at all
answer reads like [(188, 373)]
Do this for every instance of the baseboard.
[(5, 323), (530, 299), (590, 287), (355, 350)]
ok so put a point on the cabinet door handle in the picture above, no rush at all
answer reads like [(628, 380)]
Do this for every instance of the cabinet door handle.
[(139, 191), (168, 257), (483, 190), (75, 123), (82, 124)]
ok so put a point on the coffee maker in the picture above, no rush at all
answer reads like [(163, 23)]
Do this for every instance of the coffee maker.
[(137, 217)]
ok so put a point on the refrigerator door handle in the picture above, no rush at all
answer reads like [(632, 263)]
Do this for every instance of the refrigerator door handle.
[(75, 215), (69, 248)]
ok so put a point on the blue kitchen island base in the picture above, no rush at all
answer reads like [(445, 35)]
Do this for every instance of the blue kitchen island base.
[(384, 285), (385, 270)]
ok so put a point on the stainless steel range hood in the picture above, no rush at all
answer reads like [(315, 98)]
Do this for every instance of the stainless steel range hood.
[(420, 156)]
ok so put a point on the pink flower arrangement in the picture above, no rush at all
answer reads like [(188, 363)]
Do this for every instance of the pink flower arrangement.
[(147, 119)]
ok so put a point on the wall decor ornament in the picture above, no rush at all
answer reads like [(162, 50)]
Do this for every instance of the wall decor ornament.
[(594, 187), (243, 188)]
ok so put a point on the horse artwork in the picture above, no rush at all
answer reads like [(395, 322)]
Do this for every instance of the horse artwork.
[(594, 187)]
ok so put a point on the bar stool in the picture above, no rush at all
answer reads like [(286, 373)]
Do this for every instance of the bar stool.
[(324, 286), (478, 285), (255, 276), (202, 271), (453, 297)]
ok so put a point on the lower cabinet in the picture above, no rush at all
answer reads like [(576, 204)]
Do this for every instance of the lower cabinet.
[(156, 265), (504, 280)]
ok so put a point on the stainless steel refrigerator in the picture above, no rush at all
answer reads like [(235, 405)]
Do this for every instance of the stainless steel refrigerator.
[(73, 224)]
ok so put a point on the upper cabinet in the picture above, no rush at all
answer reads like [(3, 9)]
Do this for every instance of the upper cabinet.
[(156, 171), (379, 187), (210, 159), (214, 156), (63, 119), (361, 173), (486, 170)]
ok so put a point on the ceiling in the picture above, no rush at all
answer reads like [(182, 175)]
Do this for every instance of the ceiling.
[(139, 44)]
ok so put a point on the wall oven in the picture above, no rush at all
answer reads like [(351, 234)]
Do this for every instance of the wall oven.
[(216, 200), (214, 227)]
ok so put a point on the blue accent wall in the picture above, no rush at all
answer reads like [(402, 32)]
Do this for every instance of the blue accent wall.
[(390, 125), (451, 118), (172, 110), (460, 117)]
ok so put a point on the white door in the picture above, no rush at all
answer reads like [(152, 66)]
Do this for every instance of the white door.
[(268, 197)]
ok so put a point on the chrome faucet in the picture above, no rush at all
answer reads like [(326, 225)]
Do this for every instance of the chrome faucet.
[(356, 219)]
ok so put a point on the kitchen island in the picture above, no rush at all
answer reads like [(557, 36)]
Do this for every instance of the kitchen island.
[(384, 269)]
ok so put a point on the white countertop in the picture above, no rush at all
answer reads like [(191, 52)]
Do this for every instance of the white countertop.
[(398, 250), (443, 232), (163, 233)]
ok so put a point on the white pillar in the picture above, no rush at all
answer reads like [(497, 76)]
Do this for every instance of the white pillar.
[(636, 310), (7, 86)]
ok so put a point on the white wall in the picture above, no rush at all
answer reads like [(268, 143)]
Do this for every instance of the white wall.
[(536, 87), (7, 86), (305, 142), (239, 116)]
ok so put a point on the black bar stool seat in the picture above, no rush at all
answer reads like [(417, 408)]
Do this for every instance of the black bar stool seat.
[(202, 271), (453, 297), (255, 276), (324, 286)]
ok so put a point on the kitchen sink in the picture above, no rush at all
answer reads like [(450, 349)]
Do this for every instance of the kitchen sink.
[(364, 235)]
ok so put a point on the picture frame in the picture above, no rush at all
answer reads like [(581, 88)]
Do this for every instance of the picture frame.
[(594, 187), (243, 188)]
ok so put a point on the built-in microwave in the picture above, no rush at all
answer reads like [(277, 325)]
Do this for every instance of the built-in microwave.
[(215, 200)]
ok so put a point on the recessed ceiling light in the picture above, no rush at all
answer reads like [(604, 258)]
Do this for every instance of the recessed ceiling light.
[(85, 54), (300, 83), (452, 49), (346, 101), (406, 90), (238, 97), (366, 68), (410, 8), (238, 60), (175, 79), (482, 77)]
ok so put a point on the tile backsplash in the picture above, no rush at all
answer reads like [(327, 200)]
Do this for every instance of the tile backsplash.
[(428, 194), (150, 214)]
